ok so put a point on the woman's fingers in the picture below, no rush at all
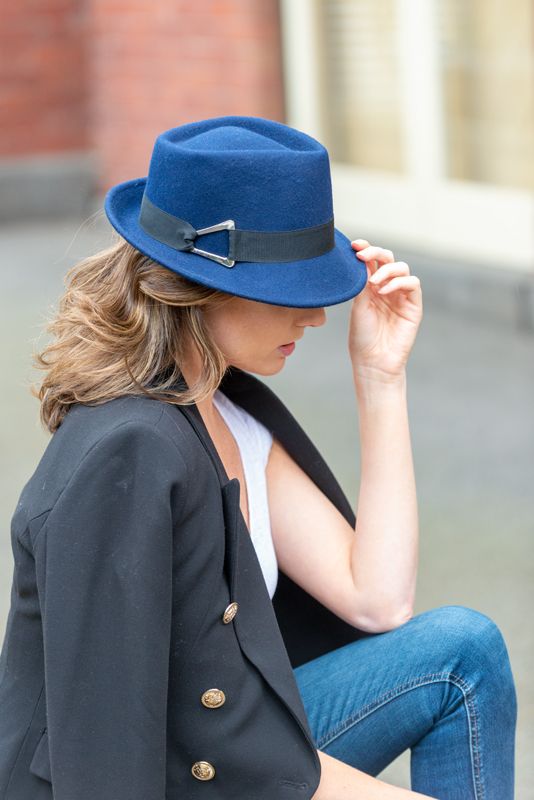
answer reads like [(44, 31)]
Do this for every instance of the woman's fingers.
[(396, 273), (371, 253), (389, 270), (407, 282)]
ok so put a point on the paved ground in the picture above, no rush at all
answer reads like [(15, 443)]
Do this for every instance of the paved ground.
[(471, 395)]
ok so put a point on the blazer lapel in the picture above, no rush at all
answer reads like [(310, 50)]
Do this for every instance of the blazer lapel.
[(308, 628), (255, 623), (259, 400)]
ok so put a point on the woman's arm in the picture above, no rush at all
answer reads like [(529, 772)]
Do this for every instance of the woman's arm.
[(385, 547), (384, 321), (104, 561), (365, 575), (340, 780)]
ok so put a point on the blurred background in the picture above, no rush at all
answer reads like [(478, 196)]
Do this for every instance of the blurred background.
[(427, 110)]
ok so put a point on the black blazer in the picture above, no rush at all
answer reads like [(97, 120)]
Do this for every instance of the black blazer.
[(143, 658)]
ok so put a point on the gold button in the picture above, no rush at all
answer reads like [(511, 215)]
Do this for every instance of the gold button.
[(229, 613), (213, 698), (203, 770)]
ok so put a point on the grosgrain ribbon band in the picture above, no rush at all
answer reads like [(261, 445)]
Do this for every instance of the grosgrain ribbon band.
[(244, 245)]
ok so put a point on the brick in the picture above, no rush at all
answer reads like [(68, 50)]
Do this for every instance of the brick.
[(85, 73)]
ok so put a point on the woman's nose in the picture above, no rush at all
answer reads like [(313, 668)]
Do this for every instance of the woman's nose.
[(318, 317)]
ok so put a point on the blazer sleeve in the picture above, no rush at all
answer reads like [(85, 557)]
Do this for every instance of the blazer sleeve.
[(105, 563)]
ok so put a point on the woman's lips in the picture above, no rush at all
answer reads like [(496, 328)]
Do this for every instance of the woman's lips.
[(287, 349)]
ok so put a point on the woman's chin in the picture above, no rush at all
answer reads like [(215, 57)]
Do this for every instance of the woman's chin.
[(270, 367)]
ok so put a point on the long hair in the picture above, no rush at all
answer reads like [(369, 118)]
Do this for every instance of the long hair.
[(123, 326)]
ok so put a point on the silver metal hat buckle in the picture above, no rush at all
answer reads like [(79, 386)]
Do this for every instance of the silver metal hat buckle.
[(228, 224)]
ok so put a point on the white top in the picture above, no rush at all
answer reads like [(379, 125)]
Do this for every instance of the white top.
[(254, 442)]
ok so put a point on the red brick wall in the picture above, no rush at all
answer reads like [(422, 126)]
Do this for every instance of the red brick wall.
[(156, 64), (43, 98), (110, 75)]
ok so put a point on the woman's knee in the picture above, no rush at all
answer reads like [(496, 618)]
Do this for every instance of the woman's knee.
[(474, 636), (464, 623), (463, 620), (484, 653)]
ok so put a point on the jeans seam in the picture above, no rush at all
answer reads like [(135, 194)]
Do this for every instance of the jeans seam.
[(431, 677)]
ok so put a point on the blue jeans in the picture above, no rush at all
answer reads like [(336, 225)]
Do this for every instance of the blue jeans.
[(441, 684)]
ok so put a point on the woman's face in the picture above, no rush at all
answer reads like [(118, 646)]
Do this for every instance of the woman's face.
[(250, 333)]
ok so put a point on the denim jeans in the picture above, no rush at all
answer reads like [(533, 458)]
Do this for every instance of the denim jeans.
[(441, 684)]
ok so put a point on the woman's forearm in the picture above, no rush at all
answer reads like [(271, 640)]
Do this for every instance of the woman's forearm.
[(340, 781), (385, 551)]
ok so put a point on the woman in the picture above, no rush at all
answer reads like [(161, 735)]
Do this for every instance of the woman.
[(192, 599)]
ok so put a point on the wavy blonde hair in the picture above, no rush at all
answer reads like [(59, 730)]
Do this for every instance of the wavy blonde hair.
[(123, 326)]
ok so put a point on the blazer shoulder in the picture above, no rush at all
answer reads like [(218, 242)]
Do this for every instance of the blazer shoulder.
[(93, 422), (121, 425)]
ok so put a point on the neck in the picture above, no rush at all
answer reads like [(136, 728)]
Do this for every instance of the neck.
[(191, 370)]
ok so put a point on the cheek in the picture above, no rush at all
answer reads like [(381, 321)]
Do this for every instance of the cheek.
[(237, 338), (248, 332)]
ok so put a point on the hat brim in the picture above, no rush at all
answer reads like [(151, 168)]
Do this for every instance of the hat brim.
[(326, 280)]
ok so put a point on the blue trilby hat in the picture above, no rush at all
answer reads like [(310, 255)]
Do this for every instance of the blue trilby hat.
[(244, 205)]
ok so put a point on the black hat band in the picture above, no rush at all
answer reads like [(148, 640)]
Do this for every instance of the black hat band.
[(267, 246)]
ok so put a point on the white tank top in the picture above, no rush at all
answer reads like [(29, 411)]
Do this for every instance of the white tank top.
[(254, 441)]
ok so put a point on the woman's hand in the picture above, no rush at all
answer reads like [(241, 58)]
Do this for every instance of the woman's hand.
[(385, 315)]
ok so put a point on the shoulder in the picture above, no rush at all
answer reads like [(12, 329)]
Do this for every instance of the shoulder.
[(129, 420), (113, 436)]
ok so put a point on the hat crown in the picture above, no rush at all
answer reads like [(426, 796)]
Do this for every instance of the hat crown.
[(225, 138), (263, 174)]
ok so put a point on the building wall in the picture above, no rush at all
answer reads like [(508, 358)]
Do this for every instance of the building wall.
[(427, 110), (108, 75), (481, 71), (43, 90), (158, 65)]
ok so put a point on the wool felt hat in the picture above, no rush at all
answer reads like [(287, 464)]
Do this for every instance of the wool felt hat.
[(266, 189)]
